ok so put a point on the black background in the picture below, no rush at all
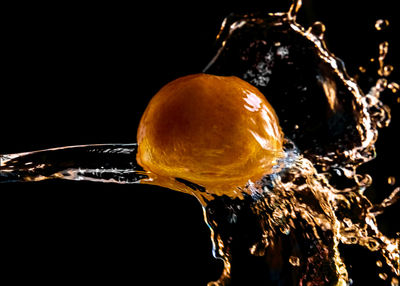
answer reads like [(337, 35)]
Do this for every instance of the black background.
[(84, 73)]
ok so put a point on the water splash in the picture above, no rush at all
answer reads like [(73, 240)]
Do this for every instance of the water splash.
[(272, 53), (257, 50), (290, 224)]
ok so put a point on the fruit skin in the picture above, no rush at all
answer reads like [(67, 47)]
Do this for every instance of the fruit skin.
[(214, 131)]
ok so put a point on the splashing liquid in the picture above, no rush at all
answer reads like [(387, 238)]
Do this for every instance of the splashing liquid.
[(288, 225)]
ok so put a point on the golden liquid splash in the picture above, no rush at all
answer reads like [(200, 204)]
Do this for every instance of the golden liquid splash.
[(300, 198)]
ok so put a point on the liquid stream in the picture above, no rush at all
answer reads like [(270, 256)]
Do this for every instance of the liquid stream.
[(113, 163), (292, 221)]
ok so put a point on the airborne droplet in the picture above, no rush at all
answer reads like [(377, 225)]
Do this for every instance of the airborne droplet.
[(383, 51), (387, 70), (294, 260), (383, 276), (391, 180), (318, 29), (394, 87), (381, 24)]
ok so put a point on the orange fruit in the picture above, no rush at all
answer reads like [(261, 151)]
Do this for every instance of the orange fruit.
[(215, 131)]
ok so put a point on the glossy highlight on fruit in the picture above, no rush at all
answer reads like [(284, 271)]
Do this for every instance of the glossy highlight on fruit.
[(217, 132)]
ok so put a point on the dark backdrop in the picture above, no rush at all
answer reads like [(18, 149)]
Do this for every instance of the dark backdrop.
[(83, 73)]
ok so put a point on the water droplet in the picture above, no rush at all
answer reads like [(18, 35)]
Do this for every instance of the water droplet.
[(381, 24), (387, 70), (383, 50), (381, 84), (394, 87), (391, 180), (379, 263), (317, 29), (394, 282), (294, 260), (253, 249), (362, 69), (383, 276)]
